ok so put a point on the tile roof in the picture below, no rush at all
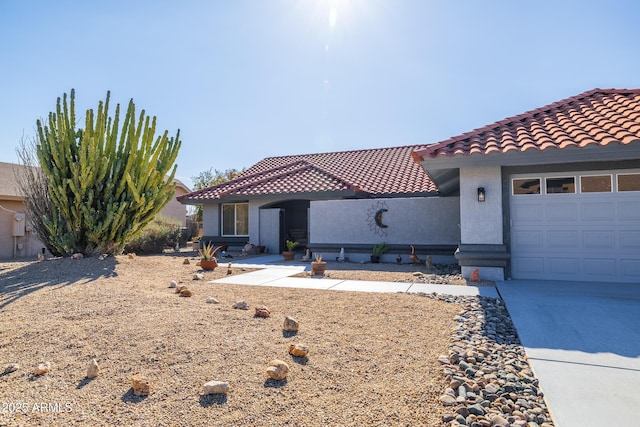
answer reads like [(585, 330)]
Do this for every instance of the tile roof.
[(374, 172), (598, 116)]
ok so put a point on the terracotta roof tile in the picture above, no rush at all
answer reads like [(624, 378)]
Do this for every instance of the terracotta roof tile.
[(598, 116), (374, 172)]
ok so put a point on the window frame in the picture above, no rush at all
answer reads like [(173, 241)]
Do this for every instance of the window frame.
[(611, 183), (618, 182), (546, 186), (235, 219), (513, 188)]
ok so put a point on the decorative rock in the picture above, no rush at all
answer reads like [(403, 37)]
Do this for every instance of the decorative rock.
[(278, 369), (290, 324), (77, 255), (186, 293), (131, 255), (215, 387), (11, 367), (490, 381), (443, 360), (262, 312), (180, 289), (173, 284), (241, 305), (186, 261), (93, 370), (447, 400), (212, 300), (198, 276), (140, 385), (298, 350), (42, 368)]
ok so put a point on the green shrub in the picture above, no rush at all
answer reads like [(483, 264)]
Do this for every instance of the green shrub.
[(161, 232)]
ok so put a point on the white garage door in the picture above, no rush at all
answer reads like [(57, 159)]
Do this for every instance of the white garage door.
[(576, 226)]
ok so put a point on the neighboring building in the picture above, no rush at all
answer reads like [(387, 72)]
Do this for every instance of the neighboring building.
[(175, 209), (17, 236), (553, 193)]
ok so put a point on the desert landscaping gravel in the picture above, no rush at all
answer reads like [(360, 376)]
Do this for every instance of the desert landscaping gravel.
[(374, 359)]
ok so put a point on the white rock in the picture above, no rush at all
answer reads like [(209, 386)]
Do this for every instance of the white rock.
[(173, 284), (212, 300), (215, 387), (198, 276), (93, 370)]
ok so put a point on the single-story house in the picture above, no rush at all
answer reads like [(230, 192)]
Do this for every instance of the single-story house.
[(553, 193)]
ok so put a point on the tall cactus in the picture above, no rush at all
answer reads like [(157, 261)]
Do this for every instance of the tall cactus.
[(105, 182)]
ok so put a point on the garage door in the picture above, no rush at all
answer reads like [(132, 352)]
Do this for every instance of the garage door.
[(577, 226)]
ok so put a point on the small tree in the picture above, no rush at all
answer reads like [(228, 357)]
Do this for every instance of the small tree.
[(212, 177), (103, 183)]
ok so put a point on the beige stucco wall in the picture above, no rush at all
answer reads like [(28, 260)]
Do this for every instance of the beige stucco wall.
[(175, 209), (27, 246)]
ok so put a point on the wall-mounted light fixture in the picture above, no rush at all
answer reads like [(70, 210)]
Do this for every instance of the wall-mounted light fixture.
[(481, 194)]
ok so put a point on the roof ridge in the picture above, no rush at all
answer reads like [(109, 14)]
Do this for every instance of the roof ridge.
[(413, 146)]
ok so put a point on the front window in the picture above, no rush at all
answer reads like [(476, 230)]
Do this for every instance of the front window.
[(235, 219)]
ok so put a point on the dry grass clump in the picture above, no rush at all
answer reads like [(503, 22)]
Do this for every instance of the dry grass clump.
[(372, 359)]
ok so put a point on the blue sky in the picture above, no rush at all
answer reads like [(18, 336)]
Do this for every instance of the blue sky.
[(249, 79)]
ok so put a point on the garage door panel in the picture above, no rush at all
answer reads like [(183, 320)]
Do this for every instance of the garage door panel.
[(529, 239), (600, 267), (564, 266), (598, 212), (528, 212), (562, 211), (631, 269), (630, 239), (629, 211), (605, 239), (563, 239), (529, 265)]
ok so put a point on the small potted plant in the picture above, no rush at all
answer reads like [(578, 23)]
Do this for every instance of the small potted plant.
[(289, 253), (318, 266), (208, 260), (378, 251)]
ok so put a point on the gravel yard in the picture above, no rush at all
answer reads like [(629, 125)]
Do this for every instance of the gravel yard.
[(373, 357)]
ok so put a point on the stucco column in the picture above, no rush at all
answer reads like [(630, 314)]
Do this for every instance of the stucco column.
[(481, 232)]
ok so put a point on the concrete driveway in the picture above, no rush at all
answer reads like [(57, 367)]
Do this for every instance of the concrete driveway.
[(583, 342)]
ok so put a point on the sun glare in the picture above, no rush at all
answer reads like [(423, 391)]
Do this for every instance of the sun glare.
[(333, 17)]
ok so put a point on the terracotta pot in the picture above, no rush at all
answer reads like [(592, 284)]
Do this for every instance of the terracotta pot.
[(318, 267), (288, 255), (208, 264)]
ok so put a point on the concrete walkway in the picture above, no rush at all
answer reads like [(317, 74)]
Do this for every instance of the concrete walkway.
[(583, 342), (277, 273)]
